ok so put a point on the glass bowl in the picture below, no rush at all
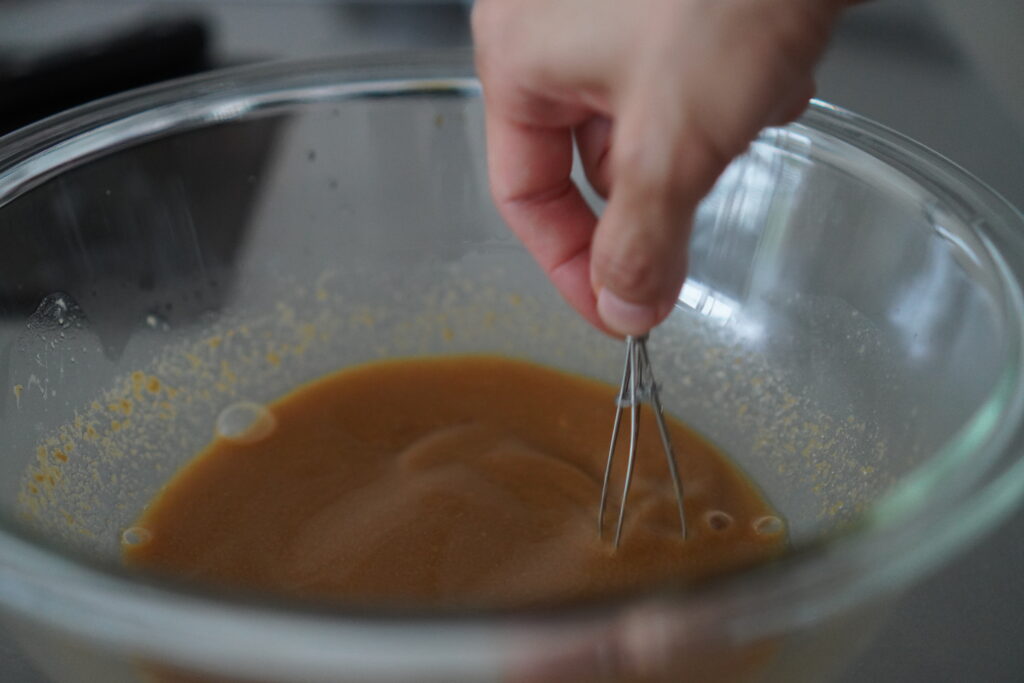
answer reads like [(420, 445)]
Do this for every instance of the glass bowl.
[(850, 333)]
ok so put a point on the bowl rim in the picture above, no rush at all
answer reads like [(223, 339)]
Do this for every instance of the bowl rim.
[(895, 541)]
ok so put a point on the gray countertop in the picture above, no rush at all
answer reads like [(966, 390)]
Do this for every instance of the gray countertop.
[(962, 624), (894, 62)]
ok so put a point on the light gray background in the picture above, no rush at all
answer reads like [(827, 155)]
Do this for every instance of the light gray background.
[(949, 73)]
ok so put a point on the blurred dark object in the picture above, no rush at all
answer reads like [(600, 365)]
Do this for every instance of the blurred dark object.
[(33, 86)]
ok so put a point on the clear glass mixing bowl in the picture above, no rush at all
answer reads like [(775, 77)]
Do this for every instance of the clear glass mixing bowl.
[(850, 333)]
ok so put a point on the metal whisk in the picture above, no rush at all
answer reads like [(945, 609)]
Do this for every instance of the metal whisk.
[(638, 385)]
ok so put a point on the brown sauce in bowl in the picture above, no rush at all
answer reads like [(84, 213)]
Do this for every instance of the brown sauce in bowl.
[(448, 482)]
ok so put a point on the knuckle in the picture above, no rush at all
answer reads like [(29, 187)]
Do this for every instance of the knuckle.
[(502, 42), (672, 173), (631, 272), (491, 24), (485, 18), (799, 32), (647, 173)]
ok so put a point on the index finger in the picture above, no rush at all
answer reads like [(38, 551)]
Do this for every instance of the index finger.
[(530, 167)]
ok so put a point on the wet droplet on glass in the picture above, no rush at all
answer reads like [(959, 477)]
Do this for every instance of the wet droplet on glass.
[(56, 311), (155, 321)]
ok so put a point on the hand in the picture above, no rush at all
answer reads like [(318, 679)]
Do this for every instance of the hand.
[(660, 95)]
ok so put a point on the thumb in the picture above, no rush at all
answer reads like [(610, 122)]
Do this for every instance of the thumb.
[(673, 137), (660, 170)]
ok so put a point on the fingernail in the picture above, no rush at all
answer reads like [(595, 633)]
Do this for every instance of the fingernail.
[(625, 317)]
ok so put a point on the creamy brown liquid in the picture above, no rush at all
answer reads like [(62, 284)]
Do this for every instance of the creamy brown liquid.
[(459, 481)]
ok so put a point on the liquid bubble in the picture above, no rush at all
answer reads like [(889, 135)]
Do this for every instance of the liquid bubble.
[(245, 422), (136, 535), (718, 520), (768, 525)]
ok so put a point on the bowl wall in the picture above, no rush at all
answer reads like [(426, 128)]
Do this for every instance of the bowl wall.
[(849, 334)]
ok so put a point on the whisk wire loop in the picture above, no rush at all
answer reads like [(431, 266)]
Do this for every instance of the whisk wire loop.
[(638, 386)]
